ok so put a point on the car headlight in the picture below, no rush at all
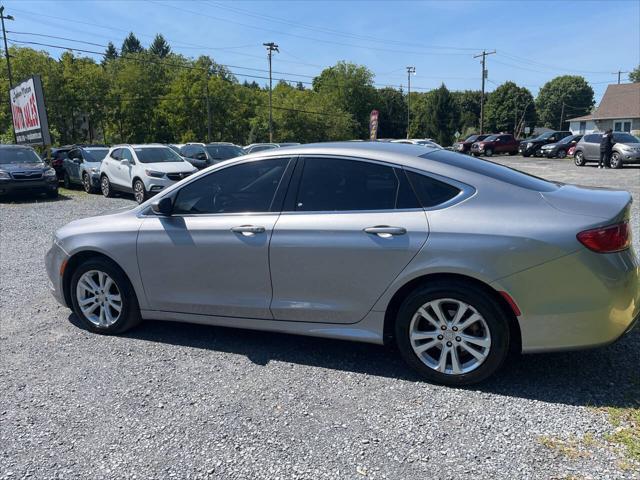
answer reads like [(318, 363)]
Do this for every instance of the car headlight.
[(49, 172), (4, 175), (95, 170), (529, 145), (154, 173)]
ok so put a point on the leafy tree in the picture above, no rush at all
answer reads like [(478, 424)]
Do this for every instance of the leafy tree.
[(634, 75), (131, 44), (392, 108), (300, 86), (566, 96), (469, 103), (160, 47), (110, 53), (350, 87), (438, 116), (509, 108)]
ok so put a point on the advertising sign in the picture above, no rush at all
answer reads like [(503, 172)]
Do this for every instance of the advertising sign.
[(373, 125), (28, 112)]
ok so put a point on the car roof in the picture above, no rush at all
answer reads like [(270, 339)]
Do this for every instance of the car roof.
[(12, 146)]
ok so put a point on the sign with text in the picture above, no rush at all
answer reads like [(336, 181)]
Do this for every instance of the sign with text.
[(28, 113), (373, 125)]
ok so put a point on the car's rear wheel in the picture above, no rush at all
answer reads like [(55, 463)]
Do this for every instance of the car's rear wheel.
[(105, 186), (616, 160), (103, 298), (139, 192), (86, 183), (452, 333), (488, 152), (53, 193), (562, 153), (578, 159)]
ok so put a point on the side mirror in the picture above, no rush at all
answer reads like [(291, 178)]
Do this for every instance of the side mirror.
[(163, 206), (201, 156)]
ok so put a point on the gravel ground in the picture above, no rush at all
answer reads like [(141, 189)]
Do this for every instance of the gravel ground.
[(188, 401)]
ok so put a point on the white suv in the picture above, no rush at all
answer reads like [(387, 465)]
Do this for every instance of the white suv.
[(143, 170)]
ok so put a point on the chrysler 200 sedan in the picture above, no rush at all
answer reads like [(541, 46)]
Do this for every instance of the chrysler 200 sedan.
[(457, 260)]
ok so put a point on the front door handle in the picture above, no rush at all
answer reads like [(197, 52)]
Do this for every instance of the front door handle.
[(385, 231), (248, 230)]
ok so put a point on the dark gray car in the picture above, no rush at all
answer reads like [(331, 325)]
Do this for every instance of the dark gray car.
[(23, 171)]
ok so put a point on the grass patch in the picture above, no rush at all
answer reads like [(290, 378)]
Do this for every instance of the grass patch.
[(572, 448), (627, 429)]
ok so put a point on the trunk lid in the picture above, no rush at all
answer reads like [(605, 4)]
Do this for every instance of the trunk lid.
[(602, 203)]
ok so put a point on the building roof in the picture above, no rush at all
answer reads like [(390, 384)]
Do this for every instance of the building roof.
[(619, 101)]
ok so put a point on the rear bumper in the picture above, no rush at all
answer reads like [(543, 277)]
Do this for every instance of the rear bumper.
[(43, 185), (579, 301)]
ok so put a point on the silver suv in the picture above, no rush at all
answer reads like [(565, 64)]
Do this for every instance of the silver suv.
[(625, 150)]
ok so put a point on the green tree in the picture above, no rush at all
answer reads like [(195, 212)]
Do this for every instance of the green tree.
[(469, 103), (160, 47), (510, 108), (131, 44), (392, 118), (350, 87), (564, 97), (111, 53), (438, 116), (634, 75)]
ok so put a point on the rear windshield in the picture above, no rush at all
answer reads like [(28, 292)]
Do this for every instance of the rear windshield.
[(18, 155), (494, 170), (157, 155)]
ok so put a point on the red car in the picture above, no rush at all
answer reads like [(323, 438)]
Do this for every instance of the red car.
[(498, 143), (465, 145), (571, 151)]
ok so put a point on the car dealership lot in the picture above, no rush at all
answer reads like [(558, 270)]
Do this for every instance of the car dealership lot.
[(194, 402)]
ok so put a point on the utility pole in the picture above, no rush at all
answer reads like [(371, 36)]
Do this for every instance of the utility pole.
[(410, 71), (619, 72), (271, 47), (6, 54), (484, 76)]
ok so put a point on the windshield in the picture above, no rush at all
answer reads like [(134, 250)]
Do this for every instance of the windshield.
[(472, 138), (625, 138), (95, 154), (157, 155), (224, 152), (491, 138), (544, 136), (568, 139), (18, 155)]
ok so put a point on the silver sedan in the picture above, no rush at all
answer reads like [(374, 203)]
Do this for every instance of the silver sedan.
[(456, 260)]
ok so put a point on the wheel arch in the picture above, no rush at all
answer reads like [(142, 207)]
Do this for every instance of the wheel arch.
[(398, 297)]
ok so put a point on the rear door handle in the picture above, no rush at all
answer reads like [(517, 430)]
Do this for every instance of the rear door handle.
[(248, 230), (385, 231)]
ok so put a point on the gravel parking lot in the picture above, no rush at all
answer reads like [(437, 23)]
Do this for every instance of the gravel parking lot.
[(187, 401)]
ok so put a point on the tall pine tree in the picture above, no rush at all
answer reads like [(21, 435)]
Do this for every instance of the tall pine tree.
[(131, 44), (160, 47)]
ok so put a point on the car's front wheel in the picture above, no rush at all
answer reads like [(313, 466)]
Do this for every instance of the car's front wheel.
[(452, 333), (103, 298), (562, 153), (86, 183), (139, 192), (578, 159), (616, 160), (488, 152), (105, 186)]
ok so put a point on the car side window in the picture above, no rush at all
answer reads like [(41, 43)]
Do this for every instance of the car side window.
[(248, 187), (186, 151), (332, 184), (125, 154), (75, 154), (431, 192), (115, 154)]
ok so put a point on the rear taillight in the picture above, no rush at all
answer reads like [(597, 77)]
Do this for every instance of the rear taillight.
[(609, 239)]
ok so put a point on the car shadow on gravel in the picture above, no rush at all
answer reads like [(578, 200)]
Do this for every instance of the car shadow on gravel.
[(22, 199), (605, 377)]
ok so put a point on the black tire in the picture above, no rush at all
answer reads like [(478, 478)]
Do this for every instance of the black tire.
[(130, 313), (86, 183), (488, 152), (494, 316), (615, 161), (66, 181), (139, 192), (105, 187), (52, 193), (526, 155), (511, 154), (578, 159), (562, 153), (538, 152)]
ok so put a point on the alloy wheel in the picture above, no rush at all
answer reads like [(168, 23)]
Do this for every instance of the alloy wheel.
[(86, 183), (104, 186), (138, 191), (450, 336), (99, 298), (615, 161)]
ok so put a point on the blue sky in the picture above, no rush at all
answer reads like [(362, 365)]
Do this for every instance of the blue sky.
[(534, 40)]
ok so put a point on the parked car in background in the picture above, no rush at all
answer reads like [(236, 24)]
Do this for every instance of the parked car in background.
[(82, 167), (202, 155), (23, 171), (465, 145), (425, 142), (176, 147), (626, 149), (432, 255), (533, 146), (56, 157), (495, 144), (260, 147), (560, 149), (143, 170)]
